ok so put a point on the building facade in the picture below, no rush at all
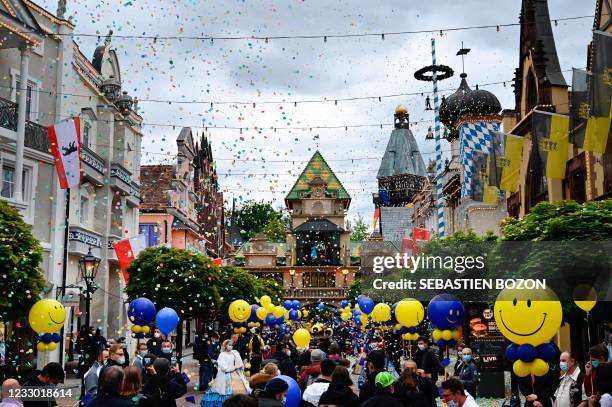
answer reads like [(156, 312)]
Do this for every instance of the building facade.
[(315, 263), (63, 83), (181, 205)]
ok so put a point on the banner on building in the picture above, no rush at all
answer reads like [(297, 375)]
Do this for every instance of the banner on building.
[(506, 158), (598, 124), (65, 141), (475, 142), (551, 142), (384, 197), (421, 235), (580, 107), (376, 218), (127, 250)]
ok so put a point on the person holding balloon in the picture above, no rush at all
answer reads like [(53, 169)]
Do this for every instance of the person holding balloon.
[(230, 377)]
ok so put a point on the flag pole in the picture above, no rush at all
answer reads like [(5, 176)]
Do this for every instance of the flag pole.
[(65, 271), (439, 196)]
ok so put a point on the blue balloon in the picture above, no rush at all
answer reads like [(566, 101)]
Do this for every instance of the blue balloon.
[(280, 320), (295, 304), (166, 320), (445, 311), (46, 338), (526, 353), (56, 337), (451, 343), (366, 304), (287, 304), (294, 394), (344, 303), (293, 315), (547, 352), (404, 330), (141, 311), (253, 317), (441, 343), (357, 320), (321, 306), (445, 362), (413, 329), (271, 319), (511, 353)]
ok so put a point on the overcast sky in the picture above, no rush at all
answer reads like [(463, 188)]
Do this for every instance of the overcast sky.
[(289, 69)]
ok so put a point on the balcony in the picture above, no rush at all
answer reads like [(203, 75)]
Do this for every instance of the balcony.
[(80, 239), (111, 250), (316, 293), (35, 134), (94, 167), (120, 179), (134, 199)]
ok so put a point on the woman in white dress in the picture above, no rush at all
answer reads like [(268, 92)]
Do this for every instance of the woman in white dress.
[(230, 377)]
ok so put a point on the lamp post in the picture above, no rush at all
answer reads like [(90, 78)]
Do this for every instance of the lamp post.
[(88, 266), (345, 273)]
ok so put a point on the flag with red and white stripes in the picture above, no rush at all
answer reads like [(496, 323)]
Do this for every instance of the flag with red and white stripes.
[(65, 140)]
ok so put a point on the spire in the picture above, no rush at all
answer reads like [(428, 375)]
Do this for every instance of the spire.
[(61, 9)]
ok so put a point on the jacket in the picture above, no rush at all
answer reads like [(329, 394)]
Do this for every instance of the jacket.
[(312, 370), (269, 401), (381, 398), (424, 394), (33, 381), (313, 393), (339, 395), (369, 388), (164, 390), (91, 379), (543, 386), (469, 377), (428, 361)]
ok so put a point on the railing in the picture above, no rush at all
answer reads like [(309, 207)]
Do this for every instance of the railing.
[(92, 159), (35, 134), (135, 190), (36, 137), (117, 170), (8, 114), (316, 293)]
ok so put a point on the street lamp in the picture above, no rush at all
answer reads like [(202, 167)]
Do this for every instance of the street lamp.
[(292, 273), (88, 266), (345, 273)]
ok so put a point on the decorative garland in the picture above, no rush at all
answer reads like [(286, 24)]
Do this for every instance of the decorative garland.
[(446, 72)]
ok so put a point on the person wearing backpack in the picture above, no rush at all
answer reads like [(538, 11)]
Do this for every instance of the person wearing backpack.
[(164, 387)]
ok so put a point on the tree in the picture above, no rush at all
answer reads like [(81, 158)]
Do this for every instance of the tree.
[(360, 231), (253, 217), (277, 226), (269, 287), (20, 254), (565, 220), (176, 278)]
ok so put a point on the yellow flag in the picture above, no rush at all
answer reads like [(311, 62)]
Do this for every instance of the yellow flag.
[(511, 166), (597, 130), (557, 153), (490, 195)]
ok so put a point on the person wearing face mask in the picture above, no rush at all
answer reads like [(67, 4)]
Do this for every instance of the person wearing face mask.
[(165, 386), (599, 356), (469, 372), (427, 362), (51, 375), (274, 393), (454, 395), (282, 358), (115, 356), (141, 352), (92, 375), (166, 351), (230, 377), (415, 390), (569, 392)]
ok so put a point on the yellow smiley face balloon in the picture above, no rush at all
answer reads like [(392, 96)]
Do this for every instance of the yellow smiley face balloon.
[(47, 316), (528, 317), (239, 311), (409, 312)]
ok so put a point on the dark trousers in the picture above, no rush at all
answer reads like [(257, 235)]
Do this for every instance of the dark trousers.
[(255, 364), (206, 374)]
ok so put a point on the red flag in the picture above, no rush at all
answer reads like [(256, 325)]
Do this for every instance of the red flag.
[(421, 234), (127, 250), (65, 140), (376, 218), (217, 262)]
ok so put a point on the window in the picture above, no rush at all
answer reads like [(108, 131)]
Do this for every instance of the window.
[(30, 113), (8, 182), (84, 211), (150, 231), (86, 130)]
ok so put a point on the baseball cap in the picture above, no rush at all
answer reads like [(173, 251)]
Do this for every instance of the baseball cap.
[(385, 379), (317, 355)]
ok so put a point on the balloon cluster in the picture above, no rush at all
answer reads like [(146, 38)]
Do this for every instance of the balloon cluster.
[(446, 313), (244, 315), (46, 317), (409, 314), (141, 312), (528, 319)]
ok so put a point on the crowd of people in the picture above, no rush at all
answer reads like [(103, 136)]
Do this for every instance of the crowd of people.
[(250, 369)]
